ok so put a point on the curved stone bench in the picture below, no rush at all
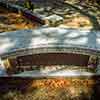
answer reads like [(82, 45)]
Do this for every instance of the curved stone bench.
[(49, 40), (46, 40)]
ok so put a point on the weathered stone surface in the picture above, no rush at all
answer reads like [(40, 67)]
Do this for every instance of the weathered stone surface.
[(50, 38), (58, 73), (54, 18)]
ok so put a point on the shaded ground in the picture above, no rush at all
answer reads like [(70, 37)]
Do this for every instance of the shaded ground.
[(77, 88), (91, 10), (10, 21), (71, 14), (68, 15)]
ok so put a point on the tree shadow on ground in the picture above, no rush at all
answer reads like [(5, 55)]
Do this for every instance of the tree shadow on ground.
[(92, 18)]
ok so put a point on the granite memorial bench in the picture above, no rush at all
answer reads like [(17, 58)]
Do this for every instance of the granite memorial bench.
[(50, 46)]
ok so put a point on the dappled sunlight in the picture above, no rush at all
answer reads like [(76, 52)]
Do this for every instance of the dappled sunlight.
[(80, 41), (80, 88), (77, 22), (13, 21), (57, 60), (70, 73), (5, 45), (98, 40), (62, 73), (49, 37)]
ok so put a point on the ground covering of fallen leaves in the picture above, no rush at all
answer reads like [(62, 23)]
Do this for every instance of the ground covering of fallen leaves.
[(53, 89), (10, 21), (75, 14)]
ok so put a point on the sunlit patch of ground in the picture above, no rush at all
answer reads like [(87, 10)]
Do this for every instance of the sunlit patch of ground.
[(89, 8), (53, 89), (73, 15), (77, 22)]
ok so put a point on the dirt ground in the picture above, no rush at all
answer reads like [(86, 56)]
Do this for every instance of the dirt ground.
[(77, 88), (10, 21)]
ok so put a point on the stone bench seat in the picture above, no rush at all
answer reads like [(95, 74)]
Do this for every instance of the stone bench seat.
[(45, 40), (47, 45)]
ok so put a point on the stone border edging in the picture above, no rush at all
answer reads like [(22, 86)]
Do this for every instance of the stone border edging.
[(39, 50)]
